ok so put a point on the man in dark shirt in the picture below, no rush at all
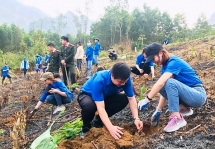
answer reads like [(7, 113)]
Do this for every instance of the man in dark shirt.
[(67, 54)]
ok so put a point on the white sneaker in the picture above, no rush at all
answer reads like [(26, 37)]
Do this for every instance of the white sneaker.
[(59, 109), (186, 112), (88, 77)]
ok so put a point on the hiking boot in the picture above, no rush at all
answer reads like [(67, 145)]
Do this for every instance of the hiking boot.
[(155, 117), (175, 123), (59, 109), (97, 122), (186, 112)]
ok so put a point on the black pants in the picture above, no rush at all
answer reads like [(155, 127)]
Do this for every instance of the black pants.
[(113, 104), (70, 73), (3, 78), (79, 62), (25, 71), (113, 56), (146, 69)]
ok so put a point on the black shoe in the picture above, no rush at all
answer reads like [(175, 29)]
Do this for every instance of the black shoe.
[(97, 122)]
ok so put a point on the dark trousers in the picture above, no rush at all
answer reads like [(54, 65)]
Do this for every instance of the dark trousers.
[(3, 78), (25, 71), (57, 99), (146, 69), (79, 62), (70, 73), (113, 104)]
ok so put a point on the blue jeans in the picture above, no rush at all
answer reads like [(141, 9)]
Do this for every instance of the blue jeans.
[(96, 58), (178, 93), (57, 99), (89, 65)]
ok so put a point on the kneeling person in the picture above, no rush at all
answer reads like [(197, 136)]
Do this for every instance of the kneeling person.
[(102, 93), (143, 68), (56, 93)]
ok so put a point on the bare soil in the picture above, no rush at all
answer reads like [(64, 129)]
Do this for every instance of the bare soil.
[(19, 98)]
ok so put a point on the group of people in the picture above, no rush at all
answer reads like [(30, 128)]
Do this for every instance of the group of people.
[(110, 91)]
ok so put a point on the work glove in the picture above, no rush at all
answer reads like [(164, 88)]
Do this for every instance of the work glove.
[(155, 117), (142, 104)]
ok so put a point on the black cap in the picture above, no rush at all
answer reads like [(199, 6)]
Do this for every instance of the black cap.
[(78, 42), (151, 50)]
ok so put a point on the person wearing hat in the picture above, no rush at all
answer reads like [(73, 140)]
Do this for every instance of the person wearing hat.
[(96, 51), (56, 93), (79, 55), (179, 87), (103, 93), (67, 54), (5, 73), (89, 58), (143, 68), (37, 63), (24, 66)]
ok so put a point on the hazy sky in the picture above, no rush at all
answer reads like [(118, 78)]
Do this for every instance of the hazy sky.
[(191, 8)]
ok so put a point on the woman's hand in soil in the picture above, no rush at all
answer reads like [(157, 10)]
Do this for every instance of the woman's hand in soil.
[(139, 124), (116, 132)]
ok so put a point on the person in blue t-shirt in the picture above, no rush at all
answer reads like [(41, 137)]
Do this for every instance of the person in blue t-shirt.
[(178, 85), (37, 64), (5, 73), (89, 58), (166, 41), (24, 66), (103, 93), (143, 68), (55, 93), (96, 51)]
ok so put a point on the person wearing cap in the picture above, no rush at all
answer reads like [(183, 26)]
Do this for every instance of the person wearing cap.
[(54, 59), (37, 63), (143, 68), (67, 54), (96, 51), (56, 93), (89, 58), (102, 93), (24, 66), (79, 55), (179, 87), (5, 73)]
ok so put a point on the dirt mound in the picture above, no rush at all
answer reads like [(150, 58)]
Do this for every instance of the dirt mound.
[(101, 138)]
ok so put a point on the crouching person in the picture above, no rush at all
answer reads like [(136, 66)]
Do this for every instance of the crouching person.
[(56, 93), (178, 85), (102, 93)]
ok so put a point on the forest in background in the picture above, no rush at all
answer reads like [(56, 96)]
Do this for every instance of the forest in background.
[(116, 27)]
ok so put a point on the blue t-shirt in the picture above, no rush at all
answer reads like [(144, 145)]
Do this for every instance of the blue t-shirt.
[(57, 85), (100, 85), (89, 53), (96, 49), (5, 71), (140, 59), (181, 71)]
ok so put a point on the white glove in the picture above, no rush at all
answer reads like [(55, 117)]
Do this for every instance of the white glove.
[(142, 104)]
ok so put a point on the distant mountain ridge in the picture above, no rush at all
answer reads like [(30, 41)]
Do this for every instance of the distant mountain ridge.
[(15, 12), (26, 17), (212, 19)]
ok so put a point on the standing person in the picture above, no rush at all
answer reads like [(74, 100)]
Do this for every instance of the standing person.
[(55, 93), (46, 58), (79, 55), (37, 64), (67, 54), (54, 59), (89, 58), (178, 85), (5, 73), (41, 61), (96, 51), (24, 66), (102, 93), (143, 68)]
